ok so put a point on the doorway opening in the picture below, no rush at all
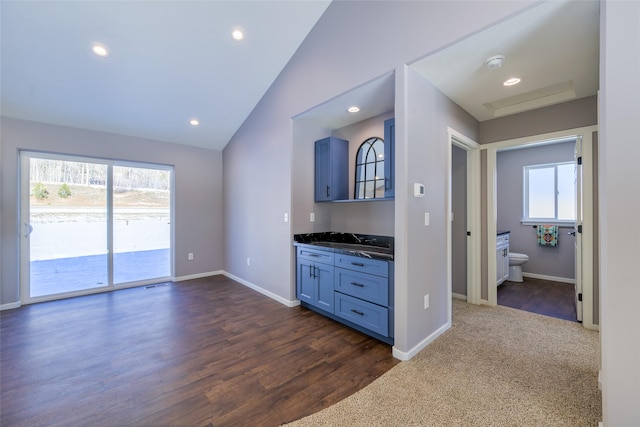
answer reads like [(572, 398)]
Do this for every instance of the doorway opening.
[(568, 262), (536, 187), (90, 225), (464, 224)]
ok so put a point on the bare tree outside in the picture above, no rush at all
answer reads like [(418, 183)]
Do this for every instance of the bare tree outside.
[(68, 216)]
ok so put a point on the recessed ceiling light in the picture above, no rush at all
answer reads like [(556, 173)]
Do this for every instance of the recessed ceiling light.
[(353, 109), (237, 34), (512, 81), (194, 122), (100, 50)]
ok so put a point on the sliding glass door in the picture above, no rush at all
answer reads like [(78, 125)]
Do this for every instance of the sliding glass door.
[(66, 226), (89, 225), (141, 223)]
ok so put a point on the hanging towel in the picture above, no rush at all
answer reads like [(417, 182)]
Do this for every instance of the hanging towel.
[(547, 235)]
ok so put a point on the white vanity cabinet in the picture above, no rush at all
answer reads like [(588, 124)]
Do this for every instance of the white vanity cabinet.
[(502, 258)]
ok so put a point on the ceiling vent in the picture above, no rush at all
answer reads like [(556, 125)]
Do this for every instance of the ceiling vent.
[(538, 98)]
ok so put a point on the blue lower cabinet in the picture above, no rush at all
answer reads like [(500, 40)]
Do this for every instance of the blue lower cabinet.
[(314, 280), (325, 290), (306, 284), (353, 290), (366, 314)]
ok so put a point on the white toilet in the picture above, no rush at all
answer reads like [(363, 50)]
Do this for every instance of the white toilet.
[(515, 266)]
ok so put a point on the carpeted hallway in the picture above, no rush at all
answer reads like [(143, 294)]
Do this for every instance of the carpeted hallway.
[(496, 366)]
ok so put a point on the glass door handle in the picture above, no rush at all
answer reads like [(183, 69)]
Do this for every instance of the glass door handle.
[(29, 229)]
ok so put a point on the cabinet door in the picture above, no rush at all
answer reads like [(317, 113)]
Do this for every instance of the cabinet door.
[(306, 282), (499, 267), (323, 170), (505, 265), (324, 287), (331, 169), (389, 157), (314, 284)]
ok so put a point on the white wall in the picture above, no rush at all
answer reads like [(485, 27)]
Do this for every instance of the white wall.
[(422, 150), (361, 217), (619, 179), (261, 176), (198, 190)]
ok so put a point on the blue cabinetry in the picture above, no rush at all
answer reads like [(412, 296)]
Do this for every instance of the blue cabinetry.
[(331, 169), (363, 292), (353, 290), (389, 158), (314, 284)]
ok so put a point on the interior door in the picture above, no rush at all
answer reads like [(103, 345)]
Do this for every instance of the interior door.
[(577, 231)]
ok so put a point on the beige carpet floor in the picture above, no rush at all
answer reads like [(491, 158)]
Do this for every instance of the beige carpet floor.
[(496, 366)]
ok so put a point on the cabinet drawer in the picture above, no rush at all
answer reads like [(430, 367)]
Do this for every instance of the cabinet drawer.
[(315, 255), (365, 314), (360, 285), (365, 265)]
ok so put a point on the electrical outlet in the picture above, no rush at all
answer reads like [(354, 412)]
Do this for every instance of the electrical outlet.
[(190, 256), (426, 301), (286, 217), (312, 217), (248, 261), (426, 219)]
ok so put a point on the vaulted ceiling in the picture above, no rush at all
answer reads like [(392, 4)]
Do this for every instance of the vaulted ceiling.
[(171, 62), (168, 62)]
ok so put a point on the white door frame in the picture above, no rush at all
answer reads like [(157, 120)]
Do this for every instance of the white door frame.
[(587, 223), (473, 215)]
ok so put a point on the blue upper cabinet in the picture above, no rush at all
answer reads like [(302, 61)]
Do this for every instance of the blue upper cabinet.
[(389, 158), (331, 169)]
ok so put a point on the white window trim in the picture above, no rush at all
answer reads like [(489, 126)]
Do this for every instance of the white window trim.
[(526, 220)]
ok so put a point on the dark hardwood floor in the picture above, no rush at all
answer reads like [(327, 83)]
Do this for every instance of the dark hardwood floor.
[(545, 297), (197, 353)]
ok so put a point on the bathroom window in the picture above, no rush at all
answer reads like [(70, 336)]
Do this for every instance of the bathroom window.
[(369, 182), (549, 192)]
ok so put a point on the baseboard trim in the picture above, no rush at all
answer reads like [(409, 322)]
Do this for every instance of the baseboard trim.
[(10, 306), (404, 356), (459, 296), (198, 276), (550, 278), (262, 290), (600, 380)]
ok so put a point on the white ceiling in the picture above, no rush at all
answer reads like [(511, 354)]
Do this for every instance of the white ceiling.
[(173, 61), (169, 62), (553, 47)]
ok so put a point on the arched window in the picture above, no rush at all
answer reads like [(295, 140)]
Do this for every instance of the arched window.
[(369, 182)]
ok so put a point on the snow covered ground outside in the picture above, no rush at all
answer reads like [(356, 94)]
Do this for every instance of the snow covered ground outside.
[(72, 232)]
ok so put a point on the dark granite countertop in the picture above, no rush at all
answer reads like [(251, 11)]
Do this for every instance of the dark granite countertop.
[(363, 245), (503, 232)]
